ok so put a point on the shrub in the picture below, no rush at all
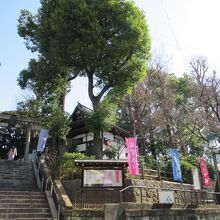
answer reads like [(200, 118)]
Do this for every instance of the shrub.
[(110, 152), (69, 169), (211, 170), (147, 162), (186, 171)]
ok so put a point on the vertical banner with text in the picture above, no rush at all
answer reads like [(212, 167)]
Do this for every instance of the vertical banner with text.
[(42, 140), (206, 182), (177, 174), (132, 156), (196, 178)]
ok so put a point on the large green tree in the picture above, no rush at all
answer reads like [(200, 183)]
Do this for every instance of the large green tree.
[(47, 100), (106, 41)]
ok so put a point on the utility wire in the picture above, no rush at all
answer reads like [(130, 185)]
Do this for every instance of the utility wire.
[(171, 27)]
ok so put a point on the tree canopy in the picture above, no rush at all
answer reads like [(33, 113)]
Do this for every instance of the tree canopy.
[(106, 41)]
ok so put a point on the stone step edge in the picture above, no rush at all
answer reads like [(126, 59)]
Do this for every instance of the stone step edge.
[(31, 219), (15, 191)]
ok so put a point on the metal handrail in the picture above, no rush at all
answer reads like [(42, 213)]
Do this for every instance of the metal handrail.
[(81, 203), (46, 184), (184, 191), (57, 198), (40, 173)]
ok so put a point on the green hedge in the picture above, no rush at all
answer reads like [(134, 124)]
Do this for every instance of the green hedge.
[(66, 168)]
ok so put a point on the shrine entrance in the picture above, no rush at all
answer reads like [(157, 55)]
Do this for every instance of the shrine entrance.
[(16, 130)]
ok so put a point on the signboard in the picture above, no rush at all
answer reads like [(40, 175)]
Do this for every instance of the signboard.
[(102, 177), (42, 140), (204, 172), (218, 161), (166, 197), (132, 156), (177, 174)]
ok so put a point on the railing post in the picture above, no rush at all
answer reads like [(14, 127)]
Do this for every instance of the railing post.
[(142, 172), (184, 196), (51, 190), (113, 198), (81, 199), (60, 171), (58, 213), (46, 185), (141, 194), (215, 197), (207, 199), (38, 169), (196, 199), (158, 195), (42, 184)]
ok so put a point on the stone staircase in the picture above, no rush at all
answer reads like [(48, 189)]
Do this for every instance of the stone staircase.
[(19, 195)]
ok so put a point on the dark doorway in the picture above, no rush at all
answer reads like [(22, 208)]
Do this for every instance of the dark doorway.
[(11, 137)]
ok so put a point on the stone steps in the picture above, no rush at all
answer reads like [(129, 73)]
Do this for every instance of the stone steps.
[(31, 219), (19, 195), (22, 200), (24, 210), (24, 205), (25, 215), (17, 176)]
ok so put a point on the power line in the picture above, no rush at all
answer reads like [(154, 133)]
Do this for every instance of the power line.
[(171, 27), (184, 47)]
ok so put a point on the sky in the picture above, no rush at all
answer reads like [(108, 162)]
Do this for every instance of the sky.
[(180, 30)]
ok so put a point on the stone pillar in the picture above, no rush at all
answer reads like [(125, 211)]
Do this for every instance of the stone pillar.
[(28, 138)]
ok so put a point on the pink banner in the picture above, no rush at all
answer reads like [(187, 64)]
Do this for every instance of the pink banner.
[(205, 174), (132, 156)]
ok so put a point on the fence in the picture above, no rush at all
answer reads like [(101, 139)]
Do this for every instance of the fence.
[(181, 196), (154, 174), (46, 184), (95, 198)]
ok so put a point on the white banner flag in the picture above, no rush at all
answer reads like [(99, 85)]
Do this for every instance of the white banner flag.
[(196, 178), (42, 140)]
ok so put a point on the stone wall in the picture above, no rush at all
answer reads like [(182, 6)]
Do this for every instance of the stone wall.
[(149, 210), (84, 215), (189, 214), (74, 190), (137, 211), (150, 194)]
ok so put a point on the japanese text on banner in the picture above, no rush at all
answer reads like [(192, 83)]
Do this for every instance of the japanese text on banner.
[(132, 156)]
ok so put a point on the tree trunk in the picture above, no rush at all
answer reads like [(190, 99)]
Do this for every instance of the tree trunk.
[(97, 142), (142, 139), (170, 138), (61, 142), (61, 146), (97, 145), (152, 145), (62, 101), (142, 147)]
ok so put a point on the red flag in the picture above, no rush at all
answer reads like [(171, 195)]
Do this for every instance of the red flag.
[(132, 156)]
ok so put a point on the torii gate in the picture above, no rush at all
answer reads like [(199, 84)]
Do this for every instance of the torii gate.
[(12, 119)]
